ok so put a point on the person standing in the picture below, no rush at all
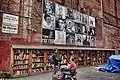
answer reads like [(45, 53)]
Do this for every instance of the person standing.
[(54, 62)]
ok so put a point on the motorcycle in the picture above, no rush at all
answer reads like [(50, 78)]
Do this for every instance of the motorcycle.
[(56, 76), (71, 76)]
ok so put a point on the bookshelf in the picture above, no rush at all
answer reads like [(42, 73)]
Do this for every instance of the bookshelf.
[(88, 58), (21, 62), (94, 58), (62, 57), (37, 61), (80, 58), (31, 60)]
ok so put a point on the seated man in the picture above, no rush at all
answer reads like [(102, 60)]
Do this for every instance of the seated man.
[(71, 66)]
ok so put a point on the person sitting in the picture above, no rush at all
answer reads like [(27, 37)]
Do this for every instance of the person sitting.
[(71, 65)]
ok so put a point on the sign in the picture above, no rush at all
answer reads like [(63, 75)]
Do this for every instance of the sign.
[(10, 24)]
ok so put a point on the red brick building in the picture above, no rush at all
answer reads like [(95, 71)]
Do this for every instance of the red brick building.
[(30, 20), (29, 14)]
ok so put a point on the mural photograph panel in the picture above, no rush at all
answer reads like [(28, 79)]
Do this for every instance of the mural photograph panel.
[(69, 14), (78, 39), (48, 21), (80, 17), (60, 37), (70, 39), (86, 40), (85, 19), (65, 26), (48, 36), (92, 41), (84, 28), (60, 12), (70, 26), (91, 31), (48, 7), (78, 28), (76, 16), (61, 24), (91, 21)]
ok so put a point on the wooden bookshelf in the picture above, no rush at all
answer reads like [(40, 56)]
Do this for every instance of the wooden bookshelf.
[(62, 57), (94, 58), (80, 58), (28, 60), (37, 61), (21, 62)]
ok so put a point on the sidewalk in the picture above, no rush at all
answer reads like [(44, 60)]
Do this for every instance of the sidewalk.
[(86, 73)]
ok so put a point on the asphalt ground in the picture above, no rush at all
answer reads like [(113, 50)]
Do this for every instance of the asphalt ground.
[(84, 73)]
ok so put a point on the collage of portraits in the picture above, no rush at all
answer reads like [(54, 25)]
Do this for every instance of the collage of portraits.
[(65, 26)]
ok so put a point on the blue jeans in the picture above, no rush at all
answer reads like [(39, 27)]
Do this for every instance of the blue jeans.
[(63, 73), (54, 70)]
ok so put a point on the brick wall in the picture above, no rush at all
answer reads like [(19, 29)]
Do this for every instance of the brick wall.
[(32, 37), (90, 7), (5, 54), (111, 19)]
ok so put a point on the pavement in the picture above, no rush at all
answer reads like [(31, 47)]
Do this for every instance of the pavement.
[(84, 73)]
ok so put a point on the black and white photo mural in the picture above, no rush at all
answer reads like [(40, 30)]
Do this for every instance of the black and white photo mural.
[(78, 39), (48, 7), (84, 28), (78, 28), (86, 40), (64, 26), (48, 21), (60, 12), (91, 21), (92, 40), (91, 31), (70, 26), (69, 13), (48, 36), (70, 38), (76, 16), (60, 37), (85, 19), (61, 24)]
